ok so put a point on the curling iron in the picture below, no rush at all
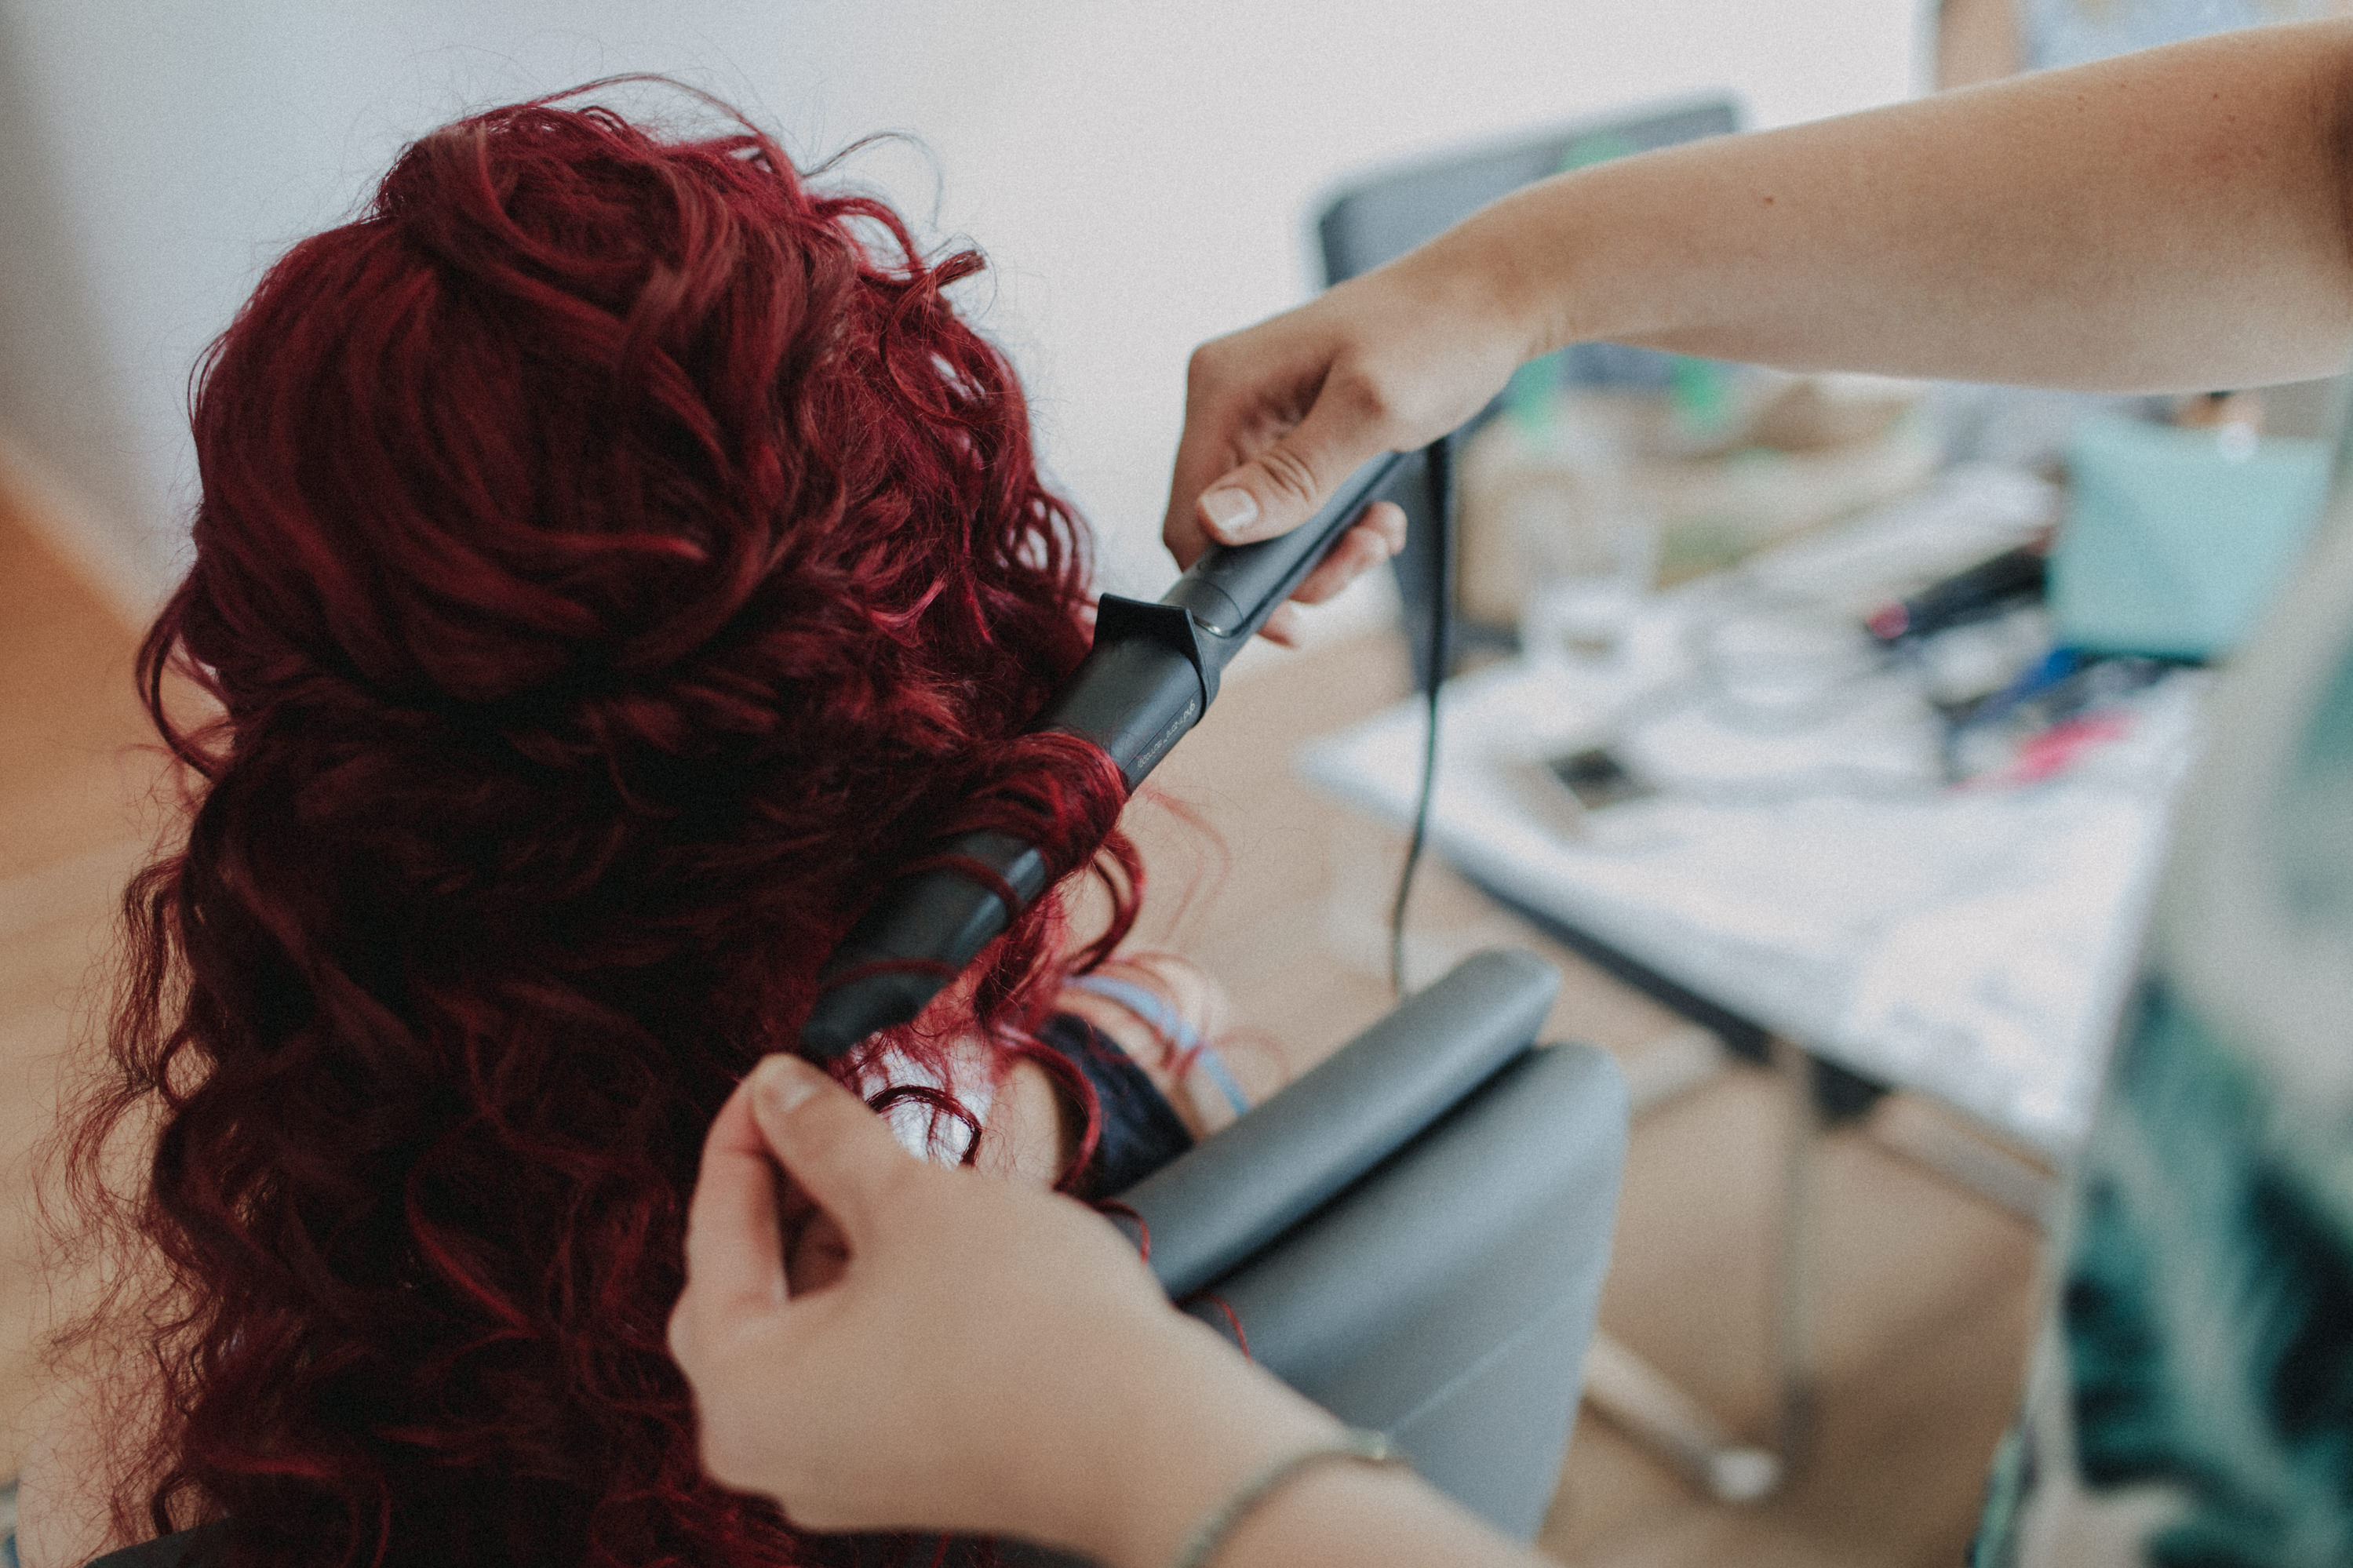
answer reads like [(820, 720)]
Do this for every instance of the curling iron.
[(1152, 673)]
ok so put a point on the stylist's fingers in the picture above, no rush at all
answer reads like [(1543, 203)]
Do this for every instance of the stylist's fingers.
[(735, 1259), (1280, 487), (1362, 548), (1380, 535), (1275, 415), (834, 1149), (1283, 627)]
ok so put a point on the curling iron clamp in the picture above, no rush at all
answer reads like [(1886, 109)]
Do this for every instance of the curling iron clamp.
[(1152, 673)]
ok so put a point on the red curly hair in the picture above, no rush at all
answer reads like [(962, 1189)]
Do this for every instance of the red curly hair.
[(614, 556)]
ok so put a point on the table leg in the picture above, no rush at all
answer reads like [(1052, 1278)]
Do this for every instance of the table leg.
[(1644, 1404), (1795, 1373), (1977, 1163), (1632, 1394)]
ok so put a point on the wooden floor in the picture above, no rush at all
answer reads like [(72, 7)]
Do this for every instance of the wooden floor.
[(76, 778), (1924, 1291)]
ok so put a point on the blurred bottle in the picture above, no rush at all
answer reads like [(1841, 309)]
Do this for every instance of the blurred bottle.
[(1587, 548)]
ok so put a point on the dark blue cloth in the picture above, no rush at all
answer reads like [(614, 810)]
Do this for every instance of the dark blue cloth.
[(1140, 1131)]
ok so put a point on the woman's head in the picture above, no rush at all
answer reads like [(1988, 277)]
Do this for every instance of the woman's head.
[(614, 556)]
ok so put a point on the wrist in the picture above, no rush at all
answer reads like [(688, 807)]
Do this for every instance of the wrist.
[(1188, 1424), (1490, 298), (1554, 253)]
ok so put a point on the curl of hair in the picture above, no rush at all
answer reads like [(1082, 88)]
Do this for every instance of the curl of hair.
[(614, 554)]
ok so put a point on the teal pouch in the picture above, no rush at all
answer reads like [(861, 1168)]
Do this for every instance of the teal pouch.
[(2174, 544)]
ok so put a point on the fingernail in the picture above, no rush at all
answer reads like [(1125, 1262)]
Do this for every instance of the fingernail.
[(1229, 512), (783, 1083)]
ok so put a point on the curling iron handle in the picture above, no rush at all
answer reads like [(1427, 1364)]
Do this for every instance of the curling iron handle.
[(1154, 668), (1232, 589), (919, 936)]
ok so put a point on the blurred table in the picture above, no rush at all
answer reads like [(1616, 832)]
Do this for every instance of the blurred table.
[(1801, 862)]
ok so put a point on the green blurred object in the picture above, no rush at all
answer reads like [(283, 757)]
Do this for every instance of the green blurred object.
[(1530, 394), (2178, 539), (1535, 388), (1595, 147), (1702, 391)]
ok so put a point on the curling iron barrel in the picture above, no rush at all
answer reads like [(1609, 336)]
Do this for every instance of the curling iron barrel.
[(1151, 675)]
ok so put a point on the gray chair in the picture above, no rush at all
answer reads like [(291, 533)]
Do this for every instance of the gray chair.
[(1414, 1234), (1373, 218)]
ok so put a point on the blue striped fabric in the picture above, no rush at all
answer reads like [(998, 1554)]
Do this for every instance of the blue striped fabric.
[(1154, 1009)]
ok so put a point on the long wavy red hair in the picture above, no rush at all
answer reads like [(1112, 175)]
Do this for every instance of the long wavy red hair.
[(614, 554)]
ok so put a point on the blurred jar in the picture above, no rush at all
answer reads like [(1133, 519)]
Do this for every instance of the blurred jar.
[(1701, 474), (1586, 549)]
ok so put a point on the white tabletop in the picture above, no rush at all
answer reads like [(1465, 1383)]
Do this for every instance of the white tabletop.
[(1814, 873)]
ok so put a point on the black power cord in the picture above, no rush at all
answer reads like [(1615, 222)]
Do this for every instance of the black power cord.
[(1438, 472)]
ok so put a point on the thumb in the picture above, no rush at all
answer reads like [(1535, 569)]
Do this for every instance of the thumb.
[(1281, 487), (839, 1153)]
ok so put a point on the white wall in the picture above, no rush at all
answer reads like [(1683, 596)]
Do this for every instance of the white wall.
[(1137, 172)]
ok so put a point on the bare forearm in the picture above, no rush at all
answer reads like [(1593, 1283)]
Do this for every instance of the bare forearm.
[(1212, 1422), (1355, 1518), (2172, 219)]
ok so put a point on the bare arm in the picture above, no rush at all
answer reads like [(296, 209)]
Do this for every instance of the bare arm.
[(2168, 220), (2164, 221)]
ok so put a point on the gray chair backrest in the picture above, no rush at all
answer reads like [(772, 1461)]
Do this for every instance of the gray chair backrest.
[(1387, 213), (1414, 1234)]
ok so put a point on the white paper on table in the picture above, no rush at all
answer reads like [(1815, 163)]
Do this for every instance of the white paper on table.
[(1970, 943)]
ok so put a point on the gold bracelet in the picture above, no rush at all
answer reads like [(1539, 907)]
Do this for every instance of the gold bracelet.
[(1201, 1547)]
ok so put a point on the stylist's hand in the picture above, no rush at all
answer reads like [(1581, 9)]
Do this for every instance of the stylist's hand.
[(1276, 415), (992, 1358)]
